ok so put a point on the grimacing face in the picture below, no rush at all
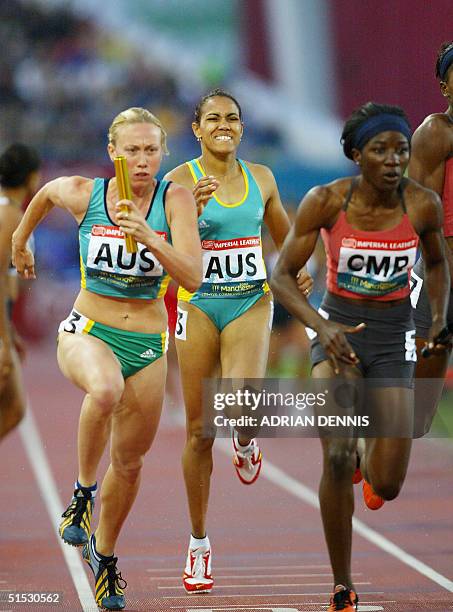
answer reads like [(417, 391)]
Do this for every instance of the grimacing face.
[(383, 160), (220, 126), (141, 145)]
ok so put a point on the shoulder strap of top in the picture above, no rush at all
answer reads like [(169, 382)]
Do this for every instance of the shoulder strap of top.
[(155, 194), (158, 204), (349, 194), (165, 185), (195, 170), (244, 167), (401, 188), (246, 173)]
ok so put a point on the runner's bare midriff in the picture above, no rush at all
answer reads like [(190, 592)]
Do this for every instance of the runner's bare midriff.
[(145, 316)]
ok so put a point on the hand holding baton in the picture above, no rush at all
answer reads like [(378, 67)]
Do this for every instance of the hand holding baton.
[(443, 337), (125, 193)]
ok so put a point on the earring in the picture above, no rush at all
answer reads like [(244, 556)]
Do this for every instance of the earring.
[(199, 138)]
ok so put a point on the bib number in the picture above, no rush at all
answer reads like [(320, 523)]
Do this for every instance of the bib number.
[(76, 323), (231, 261), (181, 324), (416, 284), (107, 257)]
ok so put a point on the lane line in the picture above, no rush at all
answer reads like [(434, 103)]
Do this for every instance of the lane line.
[(262, 586), (249, 567), (326, 593), (281, 479), (275, 607), (39, 463), (266, 606), (247, 577)]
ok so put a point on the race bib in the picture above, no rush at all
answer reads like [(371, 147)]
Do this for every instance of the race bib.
[(76, 323), (416, 284), (373, 268), (181, 324), (108, 258), (232, 266)]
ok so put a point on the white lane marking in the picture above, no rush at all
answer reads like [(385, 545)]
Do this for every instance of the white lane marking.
[(258, 608), (279, 606), (249, 567), (324, 594), (286, 609), (264, 586), (252, 576), (44, 479), (279, 478)]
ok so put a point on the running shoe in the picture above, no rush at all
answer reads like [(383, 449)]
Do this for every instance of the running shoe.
[(372, 499), (247, 462), (343, 599), (357, 476), (197, 576), (75, 526), (109, 583)]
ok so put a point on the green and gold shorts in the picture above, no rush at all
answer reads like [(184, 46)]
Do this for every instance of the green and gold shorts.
[(134, 350)]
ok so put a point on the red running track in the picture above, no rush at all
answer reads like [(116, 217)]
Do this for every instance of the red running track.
[(268, 546)]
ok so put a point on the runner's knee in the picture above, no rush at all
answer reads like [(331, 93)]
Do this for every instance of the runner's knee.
[(198, 441), (388, 490), (106, 394), (340, 461), (127, 468)]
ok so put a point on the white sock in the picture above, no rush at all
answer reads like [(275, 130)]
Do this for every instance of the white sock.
[(199, 542), (239, 446)]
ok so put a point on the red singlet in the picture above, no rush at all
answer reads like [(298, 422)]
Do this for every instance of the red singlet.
[(370, 264)]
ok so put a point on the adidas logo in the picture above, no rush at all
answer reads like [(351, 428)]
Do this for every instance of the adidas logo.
[(203, 224), (148, 354), (259, 214)]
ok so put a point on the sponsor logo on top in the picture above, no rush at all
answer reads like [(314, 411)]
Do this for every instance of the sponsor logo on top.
[(349, 243), (234, 243), (108, 231)]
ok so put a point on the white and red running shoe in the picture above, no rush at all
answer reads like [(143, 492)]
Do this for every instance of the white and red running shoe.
[(197, 576), (247, 462)]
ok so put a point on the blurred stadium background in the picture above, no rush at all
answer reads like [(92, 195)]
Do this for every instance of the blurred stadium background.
[(298, 68)]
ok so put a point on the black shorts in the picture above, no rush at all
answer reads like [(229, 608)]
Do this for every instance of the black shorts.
[(282, 318), (420, 302), (386, 347)]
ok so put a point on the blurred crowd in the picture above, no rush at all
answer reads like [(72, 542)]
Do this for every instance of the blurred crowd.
[(64, 79)]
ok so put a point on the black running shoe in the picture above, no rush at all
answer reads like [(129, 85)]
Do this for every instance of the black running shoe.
[(75, 526), (109, 583), (343, 599)]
